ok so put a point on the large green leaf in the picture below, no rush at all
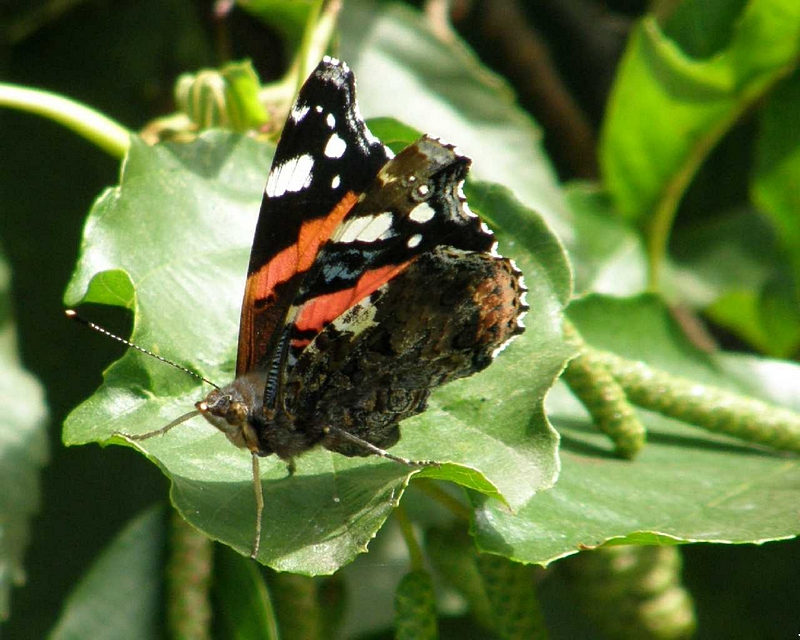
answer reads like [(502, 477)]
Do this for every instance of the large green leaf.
[(119, 597), (172, 243), (686, 486), (673, 99), (23, 448)]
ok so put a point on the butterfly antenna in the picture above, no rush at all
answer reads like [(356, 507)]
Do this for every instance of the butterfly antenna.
[(72, 314)]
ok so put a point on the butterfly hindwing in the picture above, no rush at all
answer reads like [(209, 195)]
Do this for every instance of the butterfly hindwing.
[(442, 318), (325, 158)]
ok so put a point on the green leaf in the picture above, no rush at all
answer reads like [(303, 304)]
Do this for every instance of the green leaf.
[(23, 449), (119, 597), (179, 226), (243, 609), (404, 70), (685, 486), (669, 107)]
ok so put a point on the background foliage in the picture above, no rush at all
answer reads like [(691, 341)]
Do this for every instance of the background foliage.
[(703, 98)]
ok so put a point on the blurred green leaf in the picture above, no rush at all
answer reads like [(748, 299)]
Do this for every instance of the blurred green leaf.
[(606, 254), (670, 105), (776, 182), (686, 485), (179, 226), (120, 595), (23, 449), (287, 16), (732, 268)]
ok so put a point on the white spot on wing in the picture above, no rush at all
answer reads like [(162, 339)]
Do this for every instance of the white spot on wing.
[(293, 175), (331, 120), (414, 240), (298, 113), (335, 147), (318, 109), (422, 213), (336, 182), (366, 228)]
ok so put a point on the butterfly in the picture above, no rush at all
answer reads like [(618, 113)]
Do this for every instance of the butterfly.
[(370, 283)]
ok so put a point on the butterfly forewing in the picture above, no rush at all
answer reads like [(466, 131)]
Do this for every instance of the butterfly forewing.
[(325, 158)]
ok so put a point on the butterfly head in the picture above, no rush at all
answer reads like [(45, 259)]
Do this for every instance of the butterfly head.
[(232, 410)]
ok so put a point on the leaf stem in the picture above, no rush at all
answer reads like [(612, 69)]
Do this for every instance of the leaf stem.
[(102, 131)]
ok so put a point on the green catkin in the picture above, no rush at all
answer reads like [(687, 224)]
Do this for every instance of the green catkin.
[(297, 606), (452, 553), (603, 397), (226, 98), (706, 406), (632, 592), (189, 571), (511, 593), (415, 608)]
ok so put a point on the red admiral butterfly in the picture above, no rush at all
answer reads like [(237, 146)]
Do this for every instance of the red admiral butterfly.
[(370, 283)]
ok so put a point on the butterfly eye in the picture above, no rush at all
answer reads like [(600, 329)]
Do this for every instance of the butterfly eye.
[(216, 403), (236, 413)]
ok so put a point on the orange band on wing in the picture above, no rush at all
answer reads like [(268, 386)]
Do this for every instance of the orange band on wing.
[(300, 256), (318, 312), (262, 313)]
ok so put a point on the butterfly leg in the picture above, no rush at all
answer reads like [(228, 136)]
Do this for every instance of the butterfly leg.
[(344, 435), (259, 506), (162, 430)]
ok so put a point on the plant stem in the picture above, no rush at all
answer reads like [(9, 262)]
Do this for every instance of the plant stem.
[(416, 559), (435, 492), (98, 129)]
